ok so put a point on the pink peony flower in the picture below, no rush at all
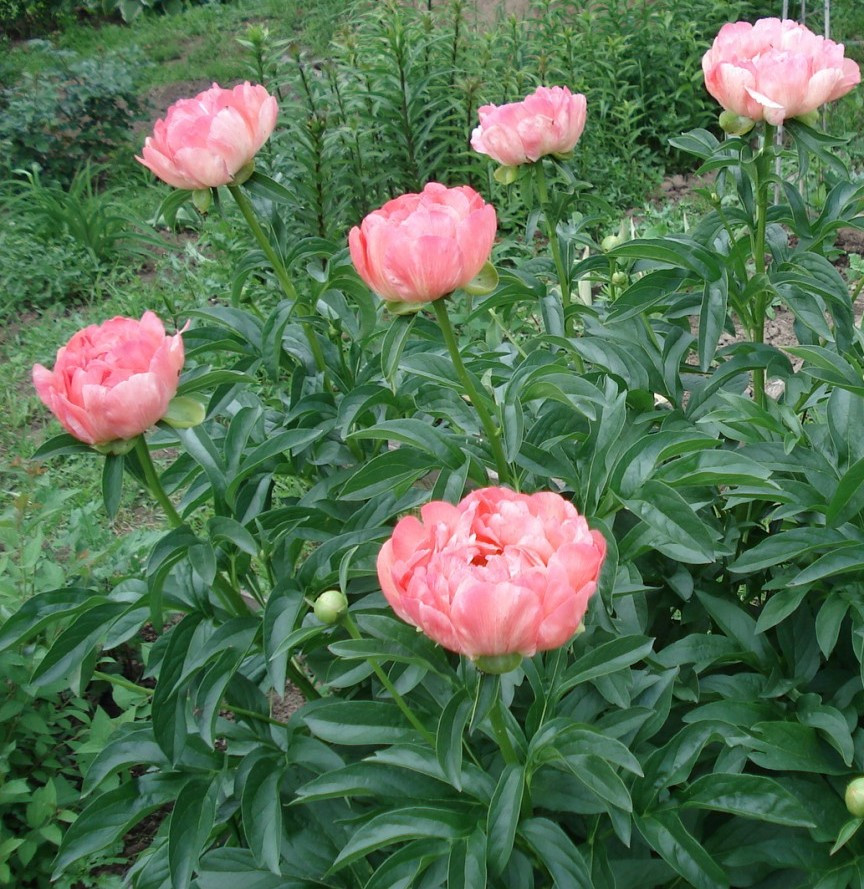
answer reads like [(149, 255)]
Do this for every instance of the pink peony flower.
[(113, 380), (775, 69), (501, 573), (204, 142), (549, 121), (419, 247)]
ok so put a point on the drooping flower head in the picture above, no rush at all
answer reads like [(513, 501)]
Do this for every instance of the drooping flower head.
[(112, 381), (775, 70), (501, 573), (420, 247), (206, 141), (549, 121)]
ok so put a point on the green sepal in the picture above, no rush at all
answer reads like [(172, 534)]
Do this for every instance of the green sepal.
[(506, 175), (115, 448), (202, 198), (184, 412), (484, 282), (398, 307), (243, 173), (810, 119), (735, 124), (496, 664)]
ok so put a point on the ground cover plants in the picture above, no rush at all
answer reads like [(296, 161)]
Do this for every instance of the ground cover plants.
[(563, 558)]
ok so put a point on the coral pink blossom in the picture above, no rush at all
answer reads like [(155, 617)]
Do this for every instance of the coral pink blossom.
[(501, 573), (204, 142), (113, 380), (775, 69), (549, 121), (419, 247)]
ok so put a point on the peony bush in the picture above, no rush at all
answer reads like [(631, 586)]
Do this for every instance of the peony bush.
[(621, 645)]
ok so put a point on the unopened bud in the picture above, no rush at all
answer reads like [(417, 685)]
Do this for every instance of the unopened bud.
[(855, 797), (330, 607), (619, 279), (610, 242)]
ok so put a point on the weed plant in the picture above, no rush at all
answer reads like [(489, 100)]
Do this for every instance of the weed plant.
[(393, 103)]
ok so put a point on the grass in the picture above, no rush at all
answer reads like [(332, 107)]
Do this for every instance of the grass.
[(195, 44)]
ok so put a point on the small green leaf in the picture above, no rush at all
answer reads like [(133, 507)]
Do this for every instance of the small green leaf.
[(847, 831)]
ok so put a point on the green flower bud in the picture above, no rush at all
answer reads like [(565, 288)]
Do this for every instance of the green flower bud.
[(331, 606), (855, 797), (619, 279), (610, 242)]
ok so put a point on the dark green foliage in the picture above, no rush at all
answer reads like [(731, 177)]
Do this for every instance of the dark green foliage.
[(75, 111), (21, 19)]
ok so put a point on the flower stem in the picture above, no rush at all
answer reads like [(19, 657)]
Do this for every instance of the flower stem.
[(552, 232), (762, 169), (492, 431), (279, 268), (232, 600), (151, 477), (384, 679), (496, 717)]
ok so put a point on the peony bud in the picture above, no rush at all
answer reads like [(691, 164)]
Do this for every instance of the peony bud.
[(331, 606), (855, 797)]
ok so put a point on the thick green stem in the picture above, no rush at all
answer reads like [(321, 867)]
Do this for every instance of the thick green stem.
[(496, 717), (279, 269), (492, 432), (151, 478), (762, 169), (552, 233), (231, 598), (384, 679)]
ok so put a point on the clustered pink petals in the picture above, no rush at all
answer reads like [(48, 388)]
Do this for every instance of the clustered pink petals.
[(419, 247), (501, 573), (549, 121), (775, 70), (204, 142), (114, 380)]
